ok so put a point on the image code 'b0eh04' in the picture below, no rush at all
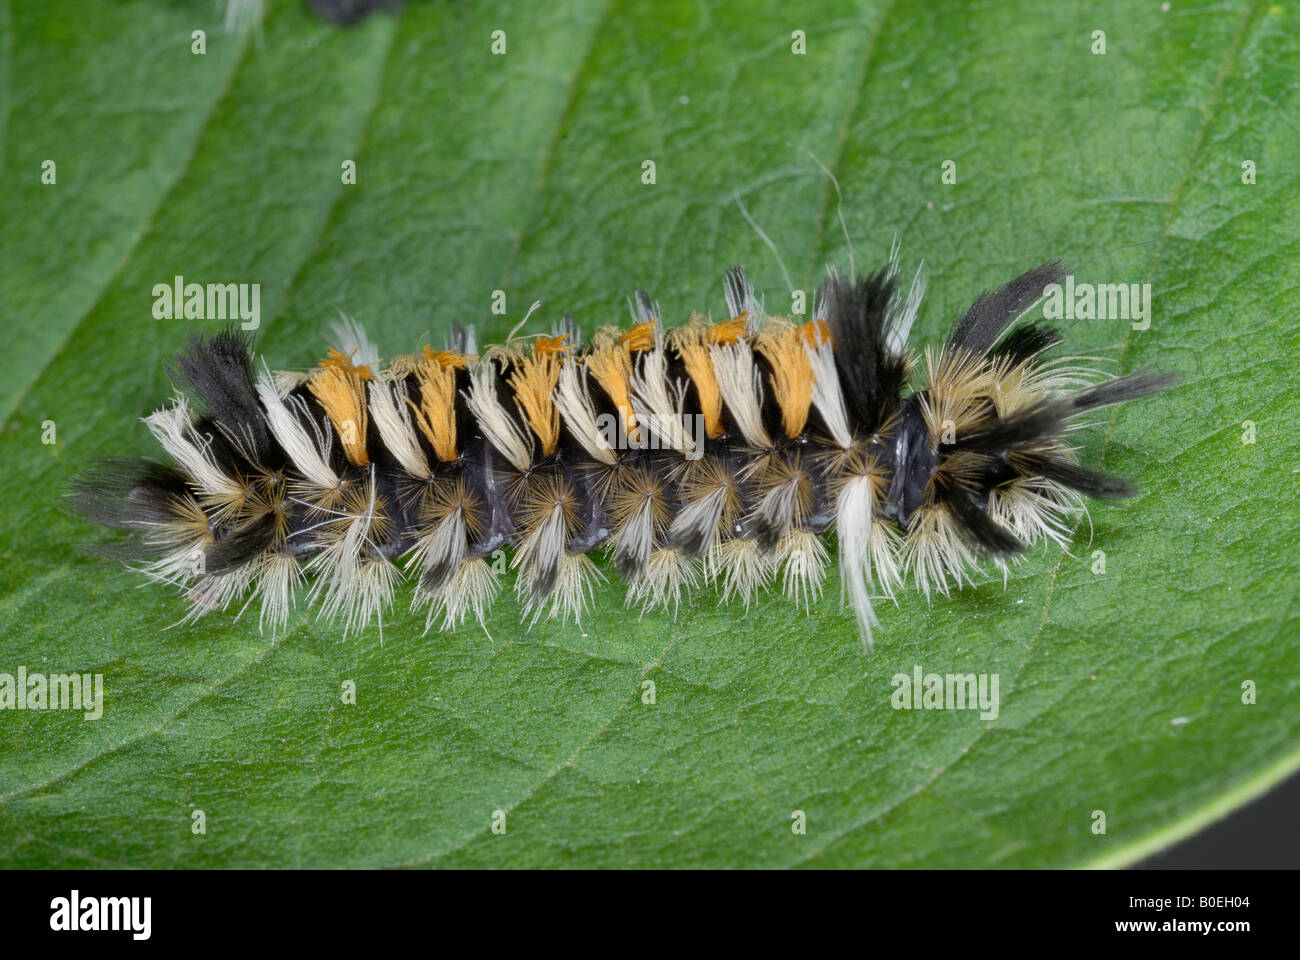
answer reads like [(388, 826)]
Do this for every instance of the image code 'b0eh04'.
[(711, 453)]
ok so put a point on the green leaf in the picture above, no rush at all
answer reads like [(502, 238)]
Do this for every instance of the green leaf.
[(1120, 692)]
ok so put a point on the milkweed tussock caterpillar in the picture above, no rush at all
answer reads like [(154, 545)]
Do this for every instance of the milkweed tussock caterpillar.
[(712, 453)]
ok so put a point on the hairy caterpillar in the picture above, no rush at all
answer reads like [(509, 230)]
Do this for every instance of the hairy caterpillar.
[(713, 452)]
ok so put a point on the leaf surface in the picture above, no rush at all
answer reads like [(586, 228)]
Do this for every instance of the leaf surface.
[(1119, 692)]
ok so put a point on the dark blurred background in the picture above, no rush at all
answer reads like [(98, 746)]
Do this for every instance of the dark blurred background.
[(1264, 834)]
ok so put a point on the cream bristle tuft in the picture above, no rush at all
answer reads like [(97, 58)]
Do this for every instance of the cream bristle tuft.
[(174, 430), (741, 568), (803, 559), (391, 413), (573, 398), (498, 426), (308, 453), (668, 576), (471, 590)]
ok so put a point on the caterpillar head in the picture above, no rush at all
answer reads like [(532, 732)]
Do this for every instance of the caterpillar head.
[(914, 453)]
